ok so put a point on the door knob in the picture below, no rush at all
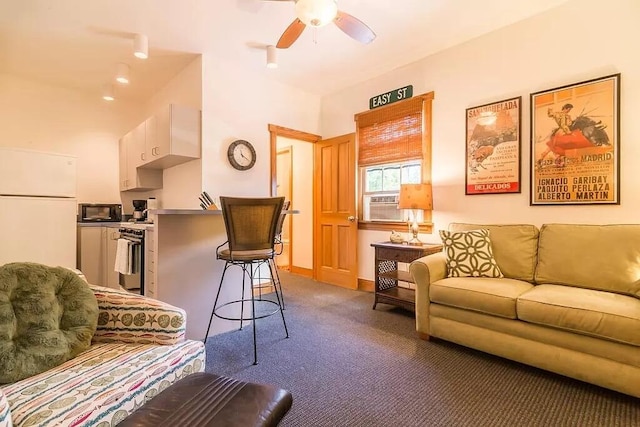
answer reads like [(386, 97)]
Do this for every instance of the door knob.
[(351, 218)]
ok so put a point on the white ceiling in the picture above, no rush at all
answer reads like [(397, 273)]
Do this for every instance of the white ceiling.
[(77, 43)]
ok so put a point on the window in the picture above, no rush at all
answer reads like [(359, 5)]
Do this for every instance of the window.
[(394, 147), (381, 189)]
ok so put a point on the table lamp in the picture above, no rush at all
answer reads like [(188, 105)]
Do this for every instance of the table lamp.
[(414, 197)]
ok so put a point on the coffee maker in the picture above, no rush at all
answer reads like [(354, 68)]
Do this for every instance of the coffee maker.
[(139, 210)]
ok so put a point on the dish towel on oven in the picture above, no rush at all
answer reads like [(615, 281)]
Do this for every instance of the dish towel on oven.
[(124, 257)]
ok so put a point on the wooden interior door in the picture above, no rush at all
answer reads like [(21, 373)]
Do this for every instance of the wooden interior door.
[(336, 228)]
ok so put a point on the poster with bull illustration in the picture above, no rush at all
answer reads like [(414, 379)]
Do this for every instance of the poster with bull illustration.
[(493, 148), (575, 150)]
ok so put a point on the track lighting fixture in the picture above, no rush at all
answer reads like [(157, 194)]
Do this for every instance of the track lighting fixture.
[(272, 60), (141, 46), (107, 92), (122, 73)]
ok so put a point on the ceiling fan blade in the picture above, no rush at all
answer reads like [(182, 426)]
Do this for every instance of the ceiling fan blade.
[(354, 28), (291, 34)]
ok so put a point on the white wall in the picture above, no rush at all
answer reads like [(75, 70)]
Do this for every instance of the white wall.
[(302, 196), (40, 117), (238, 104), (577, 41)]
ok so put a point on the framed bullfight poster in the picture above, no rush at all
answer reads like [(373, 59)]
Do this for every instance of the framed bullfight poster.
[(493, 148), (575, 147)]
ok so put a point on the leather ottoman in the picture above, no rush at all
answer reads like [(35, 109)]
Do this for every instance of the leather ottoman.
[(204, 399)]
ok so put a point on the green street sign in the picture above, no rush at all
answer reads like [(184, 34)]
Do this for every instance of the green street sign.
[(391, 97)]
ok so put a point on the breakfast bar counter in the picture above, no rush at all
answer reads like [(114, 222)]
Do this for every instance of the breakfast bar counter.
[(182, 268)]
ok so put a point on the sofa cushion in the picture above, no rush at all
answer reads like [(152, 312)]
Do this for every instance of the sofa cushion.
[(596, 313), (603, 257), (48, 315), (469, 254), (103, 385), (486, 295), (515, 247)]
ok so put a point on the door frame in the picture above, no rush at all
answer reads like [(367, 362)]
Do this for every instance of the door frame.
[(288, 220), (276, 131)]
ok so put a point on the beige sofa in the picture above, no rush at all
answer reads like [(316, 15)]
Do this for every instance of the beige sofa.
[(569, 301)]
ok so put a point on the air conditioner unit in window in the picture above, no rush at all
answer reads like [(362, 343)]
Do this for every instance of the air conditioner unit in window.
[(384, 208)]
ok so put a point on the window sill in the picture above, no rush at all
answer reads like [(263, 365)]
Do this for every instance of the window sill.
[(401, 227)]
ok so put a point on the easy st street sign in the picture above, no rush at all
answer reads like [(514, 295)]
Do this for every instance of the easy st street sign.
[(391, 97)]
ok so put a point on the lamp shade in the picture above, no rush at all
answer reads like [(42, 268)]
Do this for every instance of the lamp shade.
[(416, 196), (316, 13)]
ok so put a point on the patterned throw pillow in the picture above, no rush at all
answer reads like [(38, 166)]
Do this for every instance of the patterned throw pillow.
[(469, 254)]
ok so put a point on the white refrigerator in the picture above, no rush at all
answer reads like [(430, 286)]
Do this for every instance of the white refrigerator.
[(38, 207)]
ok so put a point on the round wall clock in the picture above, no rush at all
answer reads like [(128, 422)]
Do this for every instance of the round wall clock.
[(241, 154)]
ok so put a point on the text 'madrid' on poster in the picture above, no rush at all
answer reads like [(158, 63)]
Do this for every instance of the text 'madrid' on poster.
[(493, 148), (574, 144)]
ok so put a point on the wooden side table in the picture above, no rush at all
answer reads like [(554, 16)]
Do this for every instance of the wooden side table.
[(387, 275)]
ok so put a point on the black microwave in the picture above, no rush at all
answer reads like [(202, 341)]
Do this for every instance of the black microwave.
[(97, 212)]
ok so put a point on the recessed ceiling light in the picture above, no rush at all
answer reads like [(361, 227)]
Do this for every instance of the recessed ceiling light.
[(107, 92), (122, 73), (272, 59), (141, 46)]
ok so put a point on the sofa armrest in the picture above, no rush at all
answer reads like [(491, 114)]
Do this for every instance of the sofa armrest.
[(130, 318), (425, 271), (5, 411)]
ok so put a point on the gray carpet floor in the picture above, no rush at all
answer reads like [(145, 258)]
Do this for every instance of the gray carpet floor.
[(348, 365)]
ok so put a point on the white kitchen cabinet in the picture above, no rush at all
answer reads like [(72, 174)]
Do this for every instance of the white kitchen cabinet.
[(150, 288), (132, 152), (172, 137), (97, 254)]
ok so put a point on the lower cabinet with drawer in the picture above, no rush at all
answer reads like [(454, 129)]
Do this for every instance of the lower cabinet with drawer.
[(392, 284)]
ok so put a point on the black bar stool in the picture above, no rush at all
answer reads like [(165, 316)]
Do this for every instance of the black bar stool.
[(251, 225)]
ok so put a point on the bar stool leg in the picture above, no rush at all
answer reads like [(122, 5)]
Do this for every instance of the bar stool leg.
[(284, 322), (215, 303), (253, 316), (278, 284)]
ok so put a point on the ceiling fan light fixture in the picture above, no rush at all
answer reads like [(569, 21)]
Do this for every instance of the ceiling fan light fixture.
[(141, 46), (316, 13), (107, 92), (122, 73), (272, 58)]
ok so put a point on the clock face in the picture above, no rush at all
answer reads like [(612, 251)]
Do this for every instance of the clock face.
[(241, 154)]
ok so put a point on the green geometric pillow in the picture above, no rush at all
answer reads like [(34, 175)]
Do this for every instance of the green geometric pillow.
[(48, 315), (469, 254)]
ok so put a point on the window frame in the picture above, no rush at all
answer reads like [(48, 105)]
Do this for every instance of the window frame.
[(426, 226)]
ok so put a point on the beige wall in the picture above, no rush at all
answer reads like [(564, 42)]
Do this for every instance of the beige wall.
[(580, 40), (239, 104)]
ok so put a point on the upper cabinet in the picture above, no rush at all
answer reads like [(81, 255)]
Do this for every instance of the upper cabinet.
[(173, 137), (168, 138)]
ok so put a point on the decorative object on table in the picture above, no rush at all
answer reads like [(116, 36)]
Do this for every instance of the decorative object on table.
[(493, 148), (241, 154), (396, 237), (415, 197), (575, 147)]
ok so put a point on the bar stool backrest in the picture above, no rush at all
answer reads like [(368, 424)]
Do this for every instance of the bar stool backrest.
[(251, 222)]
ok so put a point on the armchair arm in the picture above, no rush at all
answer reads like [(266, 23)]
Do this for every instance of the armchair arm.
[(425, 271), (130, 318)]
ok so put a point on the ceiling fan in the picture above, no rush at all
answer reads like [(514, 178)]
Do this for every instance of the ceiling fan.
[(318, 13)]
